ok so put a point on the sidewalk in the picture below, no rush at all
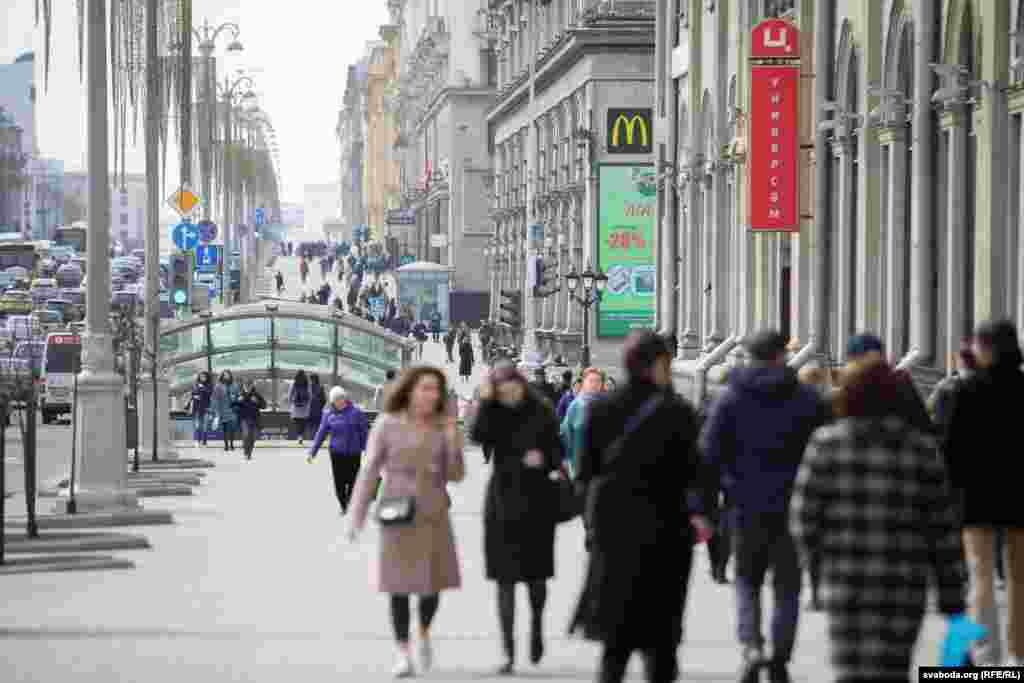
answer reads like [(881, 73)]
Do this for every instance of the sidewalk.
[(254, 583)]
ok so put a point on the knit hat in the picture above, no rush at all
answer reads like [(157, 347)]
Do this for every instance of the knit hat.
[(336, 394), (863, 344), (1001, 337)]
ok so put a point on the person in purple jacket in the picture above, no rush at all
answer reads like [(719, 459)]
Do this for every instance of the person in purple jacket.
[(349, 429)]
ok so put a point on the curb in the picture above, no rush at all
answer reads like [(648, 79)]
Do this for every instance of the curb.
[(164, 465), (92, 520), (74, 543), (34, 565), (152, 479)]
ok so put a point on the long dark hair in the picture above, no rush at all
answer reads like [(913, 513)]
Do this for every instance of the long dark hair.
[(227, 377), (300, 379), (314, 379), (400, 396)]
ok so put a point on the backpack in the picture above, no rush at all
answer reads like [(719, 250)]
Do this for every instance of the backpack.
[(301, 397)]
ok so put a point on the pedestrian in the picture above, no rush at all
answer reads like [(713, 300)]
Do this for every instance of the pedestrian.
[(943, 398), (449, 344), (572, 426), (348, 429), (280, 283), (519, 527), (435, 326), (545, 388), (418, 450), (419, 333), (199, 403), (979, 456), (566, 399), (298, 401), (867, 348), (317, 404), (250, 403), (465, 360), (639, 463), (381, 396), (753, 442), (872, 504), (222, 403)]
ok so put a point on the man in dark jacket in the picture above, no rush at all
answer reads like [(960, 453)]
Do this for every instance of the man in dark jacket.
[(982, 467), (545, 388), (754, 439)]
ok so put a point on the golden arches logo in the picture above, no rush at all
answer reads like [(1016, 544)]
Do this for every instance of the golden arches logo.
[(630, 124)]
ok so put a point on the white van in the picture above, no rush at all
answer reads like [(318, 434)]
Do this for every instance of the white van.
[(62, 358)]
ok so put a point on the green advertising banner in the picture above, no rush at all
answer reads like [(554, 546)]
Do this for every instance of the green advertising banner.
[(625, 249)]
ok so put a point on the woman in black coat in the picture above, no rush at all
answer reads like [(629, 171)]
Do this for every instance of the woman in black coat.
[(519, 513), (645, 509), (465, 359)]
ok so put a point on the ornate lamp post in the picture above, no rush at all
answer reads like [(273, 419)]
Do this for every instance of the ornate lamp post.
[(593, 285)]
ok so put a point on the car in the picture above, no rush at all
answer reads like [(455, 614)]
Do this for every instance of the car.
[(64, 307), (69, 276), (46, 319), (32, 352), (16, 302), (43, 289), (123, 298)]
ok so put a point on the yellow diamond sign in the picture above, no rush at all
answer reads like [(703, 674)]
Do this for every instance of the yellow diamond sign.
[(184, 201)]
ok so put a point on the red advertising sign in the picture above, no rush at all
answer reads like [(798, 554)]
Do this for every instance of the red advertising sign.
[(775, 39), (774, 148)]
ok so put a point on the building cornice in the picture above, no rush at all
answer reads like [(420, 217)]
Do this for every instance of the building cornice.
[(602, 37), (441, 98)]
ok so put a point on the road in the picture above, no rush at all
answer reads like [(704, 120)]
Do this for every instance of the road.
[(254, 583)]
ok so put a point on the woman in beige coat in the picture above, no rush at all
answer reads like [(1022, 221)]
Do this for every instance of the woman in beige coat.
[(418, 450)]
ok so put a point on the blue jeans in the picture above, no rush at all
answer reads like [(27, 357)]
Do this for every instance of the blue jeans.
[(764, 545), (200, 425)]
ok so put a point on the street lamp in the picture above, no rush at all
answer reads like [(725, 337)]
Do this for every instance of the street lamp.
[(593, 285)]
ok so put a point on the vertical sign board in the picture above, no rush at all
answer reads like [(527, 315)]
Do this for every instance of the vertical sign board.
[(626, 249), (774, 128)]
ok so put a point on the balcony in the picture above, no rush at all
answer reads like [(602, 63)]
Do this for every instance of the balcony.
[(599, 10)]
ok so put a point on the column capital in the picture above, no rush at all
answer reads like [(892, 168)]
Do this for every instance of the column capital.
[(952, 114), (892, 133)]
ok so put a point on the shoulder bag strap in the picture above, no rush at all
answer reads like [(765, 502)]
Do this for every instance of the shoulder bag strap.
[(638, 418)]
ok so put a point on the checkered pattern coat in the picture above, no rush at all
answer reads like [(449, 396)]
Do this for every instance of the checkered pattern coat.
[(872, 505)]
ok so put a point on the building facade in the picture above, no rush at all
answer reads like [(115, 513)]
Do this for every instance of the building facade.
[(910, 190), (127, 205), (19, 146), (447, 80), (381, 158), (591, 118), (351, 139)]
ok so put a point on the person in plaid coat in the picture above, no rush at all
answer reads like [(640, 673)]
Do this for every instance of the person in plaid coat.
[(873, 504)]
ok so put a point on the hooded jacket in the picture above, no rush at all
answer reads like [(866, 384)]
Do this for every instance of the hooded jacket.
[(754, 438), (348, 427)]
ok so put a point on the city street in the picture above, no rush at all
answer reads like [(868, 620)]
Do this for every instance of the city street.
[(254, 582)]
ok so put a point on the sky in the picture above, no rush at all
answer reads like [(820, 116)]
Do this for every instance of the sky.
[(297, 52)]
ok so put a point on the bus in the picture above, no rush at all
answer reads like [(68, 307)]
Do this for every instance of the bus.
[(61, 360), (15, 251), (71, 236)]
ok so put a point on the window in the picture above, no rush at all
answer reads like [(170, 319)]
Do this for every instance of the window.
[(490, 59), (775, 9)]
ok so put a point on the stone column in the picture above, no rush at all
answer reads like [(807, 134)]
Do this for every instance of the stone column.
[(682, 259), (1020, 225), (576, 315), (956, 220), (721, 263), (708, 255), (694, 289), (895, 141), (774, 273), (101, 443), (843, 245), (562, 253)]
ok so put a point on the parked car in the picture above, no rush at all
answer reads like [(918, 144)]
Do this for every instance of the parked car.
[(43, 289), (69, 276), (16, 302)]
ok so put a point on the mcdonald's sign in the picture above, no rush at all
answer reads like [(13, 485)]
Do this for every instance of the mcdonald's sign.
[(630, 131)]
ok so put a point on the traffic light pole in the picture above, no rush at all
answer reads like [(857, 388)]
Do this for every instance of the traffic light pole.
[(529, 303)]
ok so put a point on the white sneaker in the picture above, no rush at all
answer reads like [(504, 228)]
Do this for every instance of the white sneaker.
[(403, 667), (426, 652)]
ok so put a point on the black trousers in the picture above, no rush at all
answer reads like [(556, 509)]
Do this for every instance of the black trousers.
[(660, 664), (400, 617), (298, 428), (345, 467), (720, 545)]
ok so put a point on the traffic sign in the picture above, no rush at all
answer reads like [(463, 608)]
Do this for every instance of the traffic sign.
[(207, 231), (261, 217), (208, 258), (185, 236), (184, 201)]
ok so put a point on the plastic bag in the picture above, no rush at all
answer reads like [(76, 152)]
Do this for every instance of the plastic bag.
[(960, 635)]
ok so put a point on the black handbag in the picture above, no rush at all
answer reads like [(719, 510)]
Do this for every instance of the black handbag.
[(396, 510)]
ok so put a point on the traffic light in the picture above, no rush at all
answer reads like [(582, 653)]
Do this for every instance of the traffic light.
[(181, 279), (547, 282), (511, 307)]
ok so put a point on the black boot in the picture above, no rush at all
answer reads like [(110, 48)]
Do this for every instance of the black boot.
[(509, 667), (778, 672), (750, 670), (536, 642)]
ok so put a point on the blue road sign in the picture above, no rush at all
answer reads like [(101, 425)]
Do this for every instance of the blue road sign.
[(185, 236), (207, 231), (261, 217), (207, 257)]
